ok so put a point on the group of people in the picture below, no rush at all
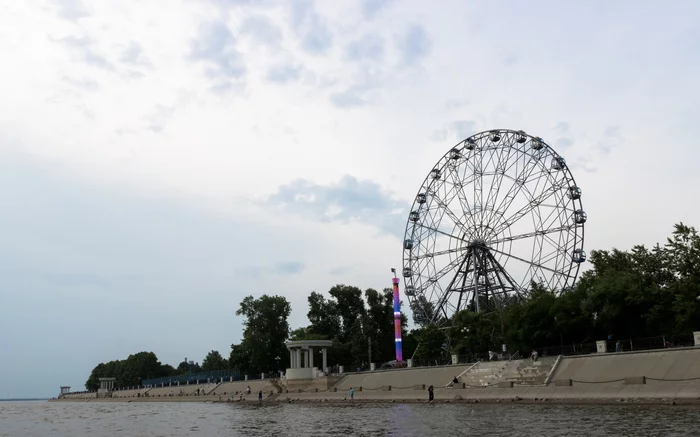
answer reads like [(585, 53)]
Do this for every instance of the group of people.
[(247, 391)]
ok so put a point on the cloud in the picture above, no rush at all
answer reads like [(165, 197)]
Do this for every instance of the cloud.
[(363, 91), (348, 200), (133, 55), (462, 128), (284, 73), (562, 127), (84, 48), (316, 36), (456, 130), (370, 8), (369, 47), (414, 45), (612, 131), (257, 272), (155, 122), (456, 103), (84, 84), (262, 29), (290, 268), (246, 3), (216, 48), (341, 270), (613, 138), (71, 10), (563, 142)]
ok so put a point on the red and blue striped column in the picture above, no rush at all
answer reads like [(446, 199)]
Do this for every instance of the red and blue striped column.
[(397, 321)]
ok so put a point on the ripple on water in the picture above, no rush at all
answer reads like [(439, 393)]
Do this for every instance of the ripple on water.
[(183, 419)]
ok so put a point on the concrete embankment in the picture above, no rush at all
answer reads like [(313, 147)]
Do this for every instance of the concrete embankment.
[(662, 376), (667, 366)]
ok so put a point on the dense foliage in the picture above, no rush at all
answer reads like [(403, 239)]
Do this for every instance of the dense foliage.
[(131, 371), (262, 348), (214, 361), (358, 325)]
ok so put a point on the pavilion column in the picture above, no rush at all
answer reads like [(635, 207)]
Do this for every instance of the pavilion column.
[(311, 357), (297, 358), (291, 358), (324, 354)]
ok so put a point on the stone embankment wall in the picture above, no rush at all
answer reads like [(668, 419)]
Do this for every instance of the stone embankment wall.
[(666, 366), (482, 374), (207, 392)]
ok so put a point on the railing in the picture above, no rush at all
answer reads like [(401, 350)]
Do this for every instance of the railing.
[(584, 348), (202, 377)]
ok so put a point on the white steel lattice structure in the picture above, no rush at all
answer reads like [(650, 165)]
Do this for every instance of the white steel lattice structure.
[(499, 211)]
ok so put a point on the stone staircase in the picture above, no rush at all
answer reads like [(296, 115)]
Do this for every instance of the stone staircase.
[(277, 385), (208, 388), (523, 371)]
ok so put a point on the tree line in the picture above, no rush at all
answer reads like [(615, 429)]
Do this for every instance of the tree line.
[(641, 292), (145, 365)]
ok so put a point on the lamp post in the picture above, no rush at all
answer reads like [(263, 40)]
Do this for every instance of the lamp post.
[(465, 335)]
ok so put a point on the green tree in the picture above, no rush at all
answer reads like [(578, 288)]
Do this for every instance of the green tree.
[(350, 309), (184, 368), (324, 317), (431, 340), (129, 372), (214, 361), (266, 329)]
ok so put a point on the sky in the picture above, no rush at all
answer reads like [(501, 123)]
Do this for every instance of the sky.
[(161, 160)]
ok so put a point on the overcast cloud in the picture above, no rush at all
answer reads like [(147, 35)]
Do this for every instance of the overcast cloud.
[(159, 161)]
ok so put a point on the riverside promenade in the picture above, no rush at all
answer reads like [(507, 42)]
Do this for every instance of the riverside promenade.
[(667, 376)]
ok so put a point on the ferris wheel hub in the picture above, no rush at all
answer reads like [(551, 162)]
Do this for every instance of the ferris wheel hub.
[(478, 243)]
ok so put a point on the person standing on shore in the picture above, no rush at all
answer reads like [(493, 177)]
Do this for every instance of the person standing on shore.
[(352, 393), (431, 394), (260, 397)]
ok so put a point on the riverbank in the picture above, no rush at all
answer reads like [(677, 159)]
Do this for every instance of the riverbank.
[(643, 394), (669, 376)]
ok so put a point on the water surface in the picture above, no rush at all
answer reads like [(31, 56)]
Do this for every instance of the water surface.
[(199, 419)]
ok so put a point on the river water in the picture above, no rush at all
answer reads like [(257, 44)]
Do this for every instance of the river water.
[(199, 419)]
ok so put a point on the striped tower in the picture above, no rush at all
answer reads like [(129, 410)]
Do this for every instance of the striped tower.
[(397, 321)]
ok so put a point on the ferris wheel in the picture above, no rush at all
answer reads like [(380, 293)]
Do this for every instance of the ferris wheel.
[(497, 213)]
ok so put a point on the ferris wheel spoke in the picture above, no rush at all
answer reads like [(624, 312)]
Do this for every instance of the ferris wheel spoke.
[(447, 234), (518, 183), (439, 253), (534, 264), (532, 234), (522, 212), (451, 214), (464, 202), (458, 186), (498, 174), (433, 279)]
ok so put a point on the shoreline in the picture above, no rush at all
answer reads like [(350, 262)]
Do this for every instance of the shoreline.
[(576, 395), (341, 402)]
